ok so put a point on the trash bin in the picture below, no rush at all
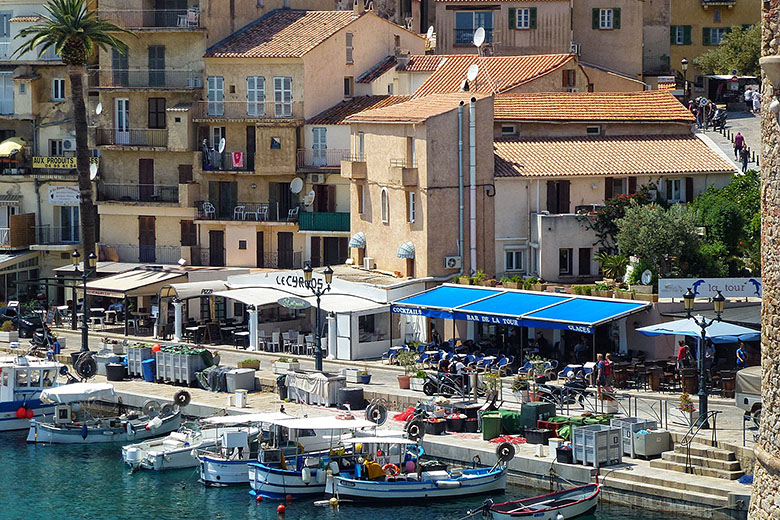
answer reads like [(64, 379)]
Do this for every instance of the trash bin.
[(491, 425), (115, 371), (280, 384), (564, 455), (148, 369), (655, 374)]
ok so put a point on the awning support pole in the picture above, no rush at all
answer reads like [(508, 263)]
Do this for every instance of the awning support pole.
[(593, 338), (177, 320), (124, 311), (252, 327)]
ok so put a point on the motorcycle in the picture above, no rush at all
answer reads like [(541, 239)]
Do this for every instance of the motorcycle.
[(719, 118), (572, 392), (441, 383)]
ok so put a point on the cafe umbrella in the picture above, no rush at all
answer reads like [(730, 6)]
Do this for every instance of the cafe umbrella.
[(718, 332)]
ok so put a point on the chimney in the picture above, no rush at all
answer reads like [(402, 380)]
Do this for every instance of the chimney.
[(358, 7), (402, 58)]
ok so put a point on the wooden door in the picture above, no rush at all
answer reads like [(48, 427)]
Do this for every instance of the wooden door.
[(285, 250), (584, 257), (145, 179), (216, 248), (315, 252), (251, 148), (146, 239), (156, 65), (331, 250), (325, 198), (260, 250)]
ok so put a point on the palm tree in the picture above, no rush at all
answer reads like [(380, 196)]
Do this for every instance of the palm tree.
[(75, 33)]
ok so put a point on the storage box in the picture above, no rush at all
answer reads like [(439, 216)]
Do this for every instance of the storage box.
[(597, 445), (537, 436), (352, 374), (532, 412), (653, 443), (240, 379), (135, 355), (629, 426)]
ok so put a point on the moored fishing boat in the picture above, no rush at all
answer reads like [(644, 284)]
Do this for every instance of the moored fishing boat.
[(568, 503), (22, 379)]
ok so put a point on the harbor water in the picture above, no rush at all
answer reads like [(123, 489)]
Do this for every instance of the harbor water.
[(91, 482)]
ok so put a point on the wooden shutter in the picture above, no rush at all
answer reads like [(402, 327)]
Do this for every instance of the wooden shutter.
[(563, 196), (532, 18), (185, 173), (705, 36), (631, 185), (686, 34), (595, 18), (616, 18), (512, 17), (608, 185), (188, 233), (672, 34), (315, 252), (156, 113), (552, 197), (688, 189)]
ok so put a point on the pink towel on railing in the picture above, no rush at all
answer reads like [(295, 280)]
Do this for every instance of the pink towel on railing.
[(238, 159)]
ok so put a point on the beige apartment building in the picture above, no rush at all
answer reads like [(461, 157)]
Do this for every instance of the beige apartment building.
[(404, 180), (560, 156)]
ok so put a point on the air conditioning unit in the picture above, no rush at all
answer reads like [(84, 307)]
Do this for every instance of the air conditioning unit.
[(317, 178), (68, 145), (574, 48), (368, 263), (452, 262)]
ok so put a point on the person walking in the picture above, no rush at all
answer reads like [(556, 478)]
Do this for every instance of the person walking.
[(744, 156), (739, 143), (682, 355), (601, 379), (748, 100), (741, 356), (756, 103)]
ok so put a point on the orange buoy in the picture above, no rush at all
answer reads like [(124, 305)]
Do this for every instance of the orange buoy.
[(259, 498), (288, 498), (30, 414), (281, 509), (21, 412)]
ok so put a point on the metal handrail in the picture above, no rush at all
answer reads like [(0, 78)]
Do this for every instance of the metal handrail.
[(694, 430)]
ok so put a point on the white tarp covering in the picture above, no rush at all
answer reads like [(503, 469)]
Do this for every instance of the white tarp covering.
[(749, 381), (77, 392), (327, 423), (232, 420)]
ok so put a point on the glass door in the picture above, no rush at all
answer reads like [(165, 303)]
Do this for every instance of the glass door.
[(122, 121), (283, 96), (320, 146), (215, 94)]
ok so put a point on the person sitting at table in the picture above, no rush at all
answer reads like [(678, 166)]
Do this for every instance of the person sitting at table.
[(444, 364)]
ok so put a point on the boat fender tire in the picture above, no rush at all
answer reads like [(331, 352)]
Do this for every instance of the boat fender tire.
[(151, 408), (391, 470), (182, 398), (476, 461), (86, 368), (505, 452), (415, 430), (377, 414), (63, 370), (166, 410)]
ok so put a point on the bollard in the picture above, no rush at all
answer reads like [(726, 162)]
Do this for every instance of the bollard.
[(753, 156)]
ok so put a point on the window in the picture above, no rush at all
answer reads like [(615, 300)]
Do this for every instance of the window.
[(205, 309), (215, 95), (157, 112), (507, 129), (55, 148), (5, 34), (319, 150), (361, 142), (716, 15), (410, 206), (69, 223), (466, 22), (189, 233), (22, 87), (618, 186), (385, 206), (526, 18), (58, 89), (534, 260), (6, 93), (349, 48), (714, 35), (349, 86), (242, 244), (389, 89), (674, 190), (606, 19), (361, 198), (217, 134), (283, 96), (411, 154), (569, 78), (397, 41), (276, 143), (513, 259), (564, 261), (255, 96)]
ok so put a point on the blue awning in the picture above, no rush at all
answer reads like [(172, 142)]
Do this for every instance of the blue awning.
[(518, 308)]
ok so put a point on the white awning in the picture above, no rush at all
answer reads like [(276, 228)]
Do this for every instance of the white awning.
[(103, 267), (341, 303), (141, 282), (232, 420), (77, 392), (378, 440), (327, 423), (185, 291), (256, 296)]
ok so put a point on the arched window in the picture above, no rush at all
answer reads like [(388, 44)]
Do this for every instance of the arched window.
[(385, 203)]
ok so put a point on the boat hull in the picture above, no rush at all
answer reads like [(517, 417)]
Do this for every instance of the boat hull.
[(10, 422), (579, 507), (216, 471), (473, 482), (271, 482), (48, 433), (164, 454)]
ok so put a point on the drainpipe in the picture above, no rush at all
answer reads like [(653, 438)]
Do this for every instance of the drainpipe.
[(473, 185), (461, 209)]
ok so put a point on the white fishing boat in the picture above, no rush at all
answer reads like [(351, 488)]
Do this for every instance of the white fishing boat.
[(76, 419), (296, 460), (568, 503), (22, 379)]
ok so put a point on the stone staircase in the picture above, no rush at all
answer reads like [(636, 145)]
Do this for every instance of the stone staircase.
[(705, 461)]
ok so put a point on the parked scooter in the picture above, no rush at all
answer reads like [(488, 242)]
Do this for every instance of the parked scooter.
[(719, 118), (572, 392)]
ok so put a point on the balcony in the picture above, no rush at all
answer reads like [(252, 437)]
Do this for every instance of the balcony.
[(246, 110), (247, 212), (404, 171), (157, 138), (318, 158), (119, 79), (55, 235), (148, 254), (354, 166), (323, 221), (466, 36), (223, 163), (178, 19), (140, 192)]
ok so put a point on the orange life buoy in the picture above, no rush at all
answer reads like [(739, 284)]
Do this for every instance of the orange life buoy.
[(391, 470)]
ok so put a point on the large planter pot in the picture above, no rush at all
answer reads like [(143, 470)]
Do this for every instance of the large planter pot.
[(512, 285), (625, 295), (365, 378), (646, 297), (9, 336), (488, 283), (352, 375), (641, 289), (249, 363), (539, 287), (416, 383), (609, 406), (403, 382), (281, 367), (465, 280)]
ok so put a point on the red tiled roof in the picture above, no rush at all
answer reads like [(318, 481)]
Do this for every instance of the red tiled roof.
[(282, 33), (611, 156), (496, 73), (416, 110), (423, 63), (648, 105), (493, 2), (337, 114), (377, 70)]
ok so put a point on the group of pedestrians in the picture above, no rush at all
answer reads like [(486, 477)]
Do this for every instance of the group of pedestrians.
[(741, 152), (753, 101)]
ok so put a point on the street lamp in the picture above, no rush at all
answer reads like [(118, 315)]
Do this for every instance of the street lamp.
[(88, 269), (684, 66), (318, 292), (717, 303)]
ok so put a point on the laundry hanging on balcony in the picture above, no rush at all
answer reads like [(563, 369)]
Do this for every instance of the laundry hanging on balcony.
[(238, 159)]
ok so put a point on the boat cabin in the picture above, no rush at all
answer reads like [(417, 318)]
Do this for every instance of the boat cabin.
[(23, 378)]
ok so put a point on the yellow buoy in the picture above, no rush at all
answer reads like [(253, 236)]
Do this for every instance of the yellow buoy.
[(333, 502)]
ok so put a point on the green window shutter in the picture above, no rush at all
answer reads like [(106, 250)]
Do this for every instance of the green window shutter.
[(595, 18), (512, 17), (532, 18), (686, 34), (616, 18), (705, 36), (672, 34)]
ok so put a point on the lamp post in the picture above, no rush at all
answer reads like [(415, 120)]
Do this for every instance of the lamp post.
[(717, 303), (88, 269), (318, 291), (684, 66)]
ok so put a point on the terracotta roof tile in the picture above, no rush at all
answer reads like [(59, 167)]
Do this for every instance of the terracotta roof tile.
[(648, 105), (337, 114), (282, 33), (611, 156), (416, 110), (377, 70), (423, 63), (492, 1), (496, 73)]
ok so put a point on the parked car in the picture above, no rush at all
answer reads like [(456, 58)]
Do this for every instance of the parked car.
[(30, 322), (748, 392)]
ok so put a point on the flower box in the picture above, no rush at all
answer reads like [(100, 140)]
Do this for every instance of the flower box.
[(416, 383), (625, 295), (488, 283), (539, 287), (249, 363), (512, 285), (9, 336), (282, 367), (352, 374), (465, 280), (644, 289), (646, 297)]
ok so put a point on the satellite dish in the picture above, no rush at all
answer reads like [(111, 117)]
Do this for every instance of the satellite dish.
[(647, 277), (92, 171), (479, 37), (296, 185), (308, 200), (222, 145), (429, 34), (471, 73), (99, 108)]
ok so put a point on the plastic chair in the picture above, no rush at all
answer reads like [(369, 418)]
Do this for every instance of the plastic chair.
[(238, 213), (292, 215), (502, 366), (209, 209), (275, 342)]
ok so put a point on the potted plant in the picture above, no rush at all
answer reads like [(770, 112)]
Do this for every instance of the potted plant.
[(540, 285), (516, 282), (417, 382), (479, 277), (352, 375), (602, 290), (521, 387), (464, 280), (7, 332), (687, 408), (365, 377), (284, 365), (254, 364), (408, 360)]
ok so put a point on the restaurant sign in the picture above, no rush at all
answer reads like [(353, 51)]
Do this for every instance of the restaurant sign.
[(64, 195), (291, 302), (60, 163), (709, 287)]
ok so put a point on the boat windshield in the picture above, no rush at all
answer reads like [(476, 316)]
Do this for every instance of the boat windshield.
[(22, 378), (35, 377), (49, 376)]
